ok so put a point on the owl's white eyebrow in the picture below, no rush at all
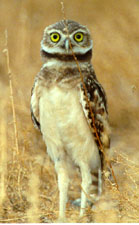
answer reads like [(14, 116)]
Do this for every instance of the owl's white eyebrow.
[(54, 30), (61, 33), (79, 30)]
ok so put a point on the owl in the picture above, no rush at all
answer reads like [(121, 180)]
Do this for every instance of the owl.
[(60, 110)]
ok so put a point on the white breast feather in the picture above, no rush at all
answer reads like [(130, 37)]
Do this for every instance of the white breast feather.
[(64, 127)]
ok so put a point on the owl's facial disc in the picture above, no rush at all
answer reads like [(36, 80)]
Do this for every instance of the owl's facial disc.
[(56, 40)]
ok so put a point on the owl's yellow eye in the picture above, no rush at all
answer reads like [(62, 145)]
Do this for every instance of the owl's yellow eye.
[(78, 37), (55, 37)]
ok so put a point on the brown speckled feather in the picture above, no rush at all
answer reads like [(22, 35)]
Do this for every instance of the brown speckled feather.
[(34, 105), (98, 102)]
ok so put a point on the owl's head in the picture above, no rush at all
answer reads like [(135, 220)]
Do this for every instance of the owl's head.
[(56, 39)]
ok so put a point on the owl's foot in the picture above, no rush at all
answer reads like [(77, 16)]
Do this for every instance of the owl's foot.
[(77, 202)]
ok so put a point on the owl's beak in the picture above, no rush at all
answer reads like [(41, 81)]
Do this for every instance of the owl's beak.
[(67, 45)]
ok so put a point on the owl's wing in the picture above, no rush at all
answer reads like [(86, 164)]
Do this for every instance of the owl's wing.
[(98, 103), (35, 105)]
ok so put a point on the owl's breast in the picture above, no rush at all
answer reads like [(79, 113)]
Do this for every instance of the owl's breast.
[(61, 106), (63, 122)]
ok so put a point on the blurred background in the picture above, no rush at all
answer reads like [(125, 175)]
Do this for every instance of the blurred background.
[(114, 26)]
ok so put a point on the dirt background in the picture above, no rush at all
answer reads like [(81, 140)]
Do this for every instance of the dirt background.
[(28, 182)]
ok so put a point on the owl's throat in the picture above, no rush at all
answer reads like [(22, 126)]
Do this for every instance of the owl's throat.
[(66, 57)]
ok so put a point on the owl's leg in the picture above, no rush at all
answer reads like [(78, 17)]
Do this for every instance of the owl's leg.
[(99, 187), (86, 182), (63, 182), (99, 182)]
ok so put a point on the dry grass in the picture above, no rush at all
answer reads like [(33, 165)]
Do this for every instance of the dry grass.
[(27, 180)]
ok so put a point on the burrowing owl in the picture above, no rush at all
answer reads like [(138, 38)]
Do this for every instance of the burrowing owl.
[(60, 110)]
